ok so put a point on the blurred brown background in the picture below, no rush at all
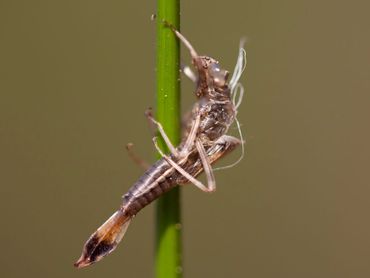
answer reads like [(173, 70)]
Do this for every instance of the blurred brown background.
[(75, 79)]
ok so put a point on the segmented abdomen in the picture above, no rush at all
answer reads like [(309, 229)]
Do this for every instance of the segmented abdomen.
[(157, 180)]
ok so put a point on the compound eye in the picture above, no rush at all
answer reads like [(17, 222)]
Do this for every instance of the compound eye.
[(215, 68), (219, 75)]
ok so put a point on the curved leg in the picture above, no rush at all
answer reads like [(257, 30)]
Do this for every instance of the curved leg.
[(178, 168), (148, 114), (211, 182), (193, 53), (189, 143)]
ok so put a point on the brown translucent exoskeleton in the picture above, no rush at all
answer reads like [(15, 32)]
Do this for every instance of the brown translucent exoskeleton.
[(204, 142)]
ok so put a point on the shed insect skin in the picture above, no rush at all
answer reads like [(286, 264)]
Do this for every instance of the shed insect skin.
[(157, 180), (204, 142)]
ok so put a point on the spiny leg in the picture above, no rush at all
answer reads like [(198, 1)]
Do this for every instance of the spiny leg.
[(180, 169), (167, 140), (211, 182)]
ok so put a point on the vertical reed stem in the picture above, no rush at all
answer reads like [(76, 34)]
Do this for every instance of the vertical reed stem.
[(168, 232)]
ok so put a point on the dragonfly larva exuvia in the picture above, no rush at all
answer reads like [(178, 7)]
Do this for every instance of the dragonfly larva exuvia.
[(204, 142)]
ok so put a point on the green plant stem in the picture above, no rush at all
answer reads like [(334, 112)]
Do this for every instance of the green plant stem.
[(168, 227)]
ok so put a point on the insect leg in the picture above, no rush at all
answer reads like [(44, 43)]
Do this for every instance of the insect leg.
[(135, 158), (189, 73), (206, 166), (193, 53), (230, 143), (167, 140), (180, 169), (192, 134)]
